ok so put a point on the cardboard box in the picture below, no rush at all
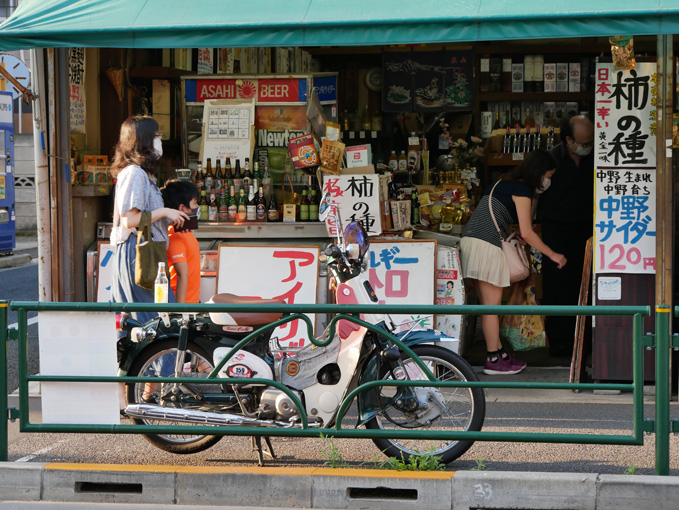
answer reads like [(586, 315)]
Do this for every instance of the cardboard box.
[(574, 77), (550, 77), (517, 77), (562, 77), (95, 170)]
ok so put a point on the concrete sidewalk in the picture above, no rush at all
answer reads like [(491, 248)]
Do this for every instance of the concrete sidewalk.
[(26, 250)]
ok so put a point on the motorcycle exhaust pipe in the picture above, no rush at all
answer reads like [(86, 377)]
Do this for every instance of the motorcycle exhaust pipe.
[(156, 412)]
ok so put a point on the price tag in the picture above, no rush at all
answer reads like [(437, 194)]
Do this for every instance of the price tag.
[(361, 134), (413, 140), (517, 156)]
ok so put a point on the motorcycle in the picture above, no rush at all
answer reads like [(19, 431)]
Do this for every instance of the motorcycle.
[(183, 345)]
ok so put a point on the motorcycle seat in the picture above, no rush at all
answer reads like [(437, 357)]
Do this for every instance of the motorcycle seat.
[(243, 318)]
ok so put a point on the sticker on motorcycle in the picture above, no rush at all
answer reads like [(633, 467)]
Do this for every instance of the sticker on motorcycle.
[(238, 329), (292, 369), (239, 371)]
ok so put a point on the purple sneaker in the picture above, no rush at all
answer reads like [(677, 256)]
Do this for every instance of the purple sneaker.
[(516, 363), (501, 367)]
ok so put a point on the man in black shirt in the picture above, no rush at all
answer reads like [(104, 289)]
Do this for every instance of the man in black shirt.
[(567, 212)]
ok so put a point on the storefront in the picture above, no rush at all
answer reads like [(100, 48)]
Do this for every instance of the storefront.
[(387, 70)]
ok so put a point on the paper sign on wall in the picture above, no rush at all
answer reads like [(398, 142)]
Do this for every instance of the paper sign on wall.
[(79, 344), (358, 199), (289, 273), (449, 289), (402, 272), (609, 288), (76, 88), (228, 130)]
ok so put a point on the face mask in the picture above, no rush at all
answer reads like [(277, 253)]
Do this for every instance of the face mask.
[(158, 146), (580, 150), (546, 183)]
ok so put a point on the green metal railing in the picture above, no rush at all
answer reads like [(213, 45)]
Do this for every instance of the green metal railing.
[(661, 426)]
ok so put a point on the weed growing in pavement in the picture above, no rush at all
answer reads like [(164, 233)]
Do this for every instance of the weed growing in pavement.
[(424, 462), (331, 453), (480, 465), (632, 470)]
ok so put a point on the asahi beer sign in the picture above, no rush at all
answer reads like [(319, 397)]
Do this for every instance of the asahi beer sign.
[(625, 176), (262, 90)]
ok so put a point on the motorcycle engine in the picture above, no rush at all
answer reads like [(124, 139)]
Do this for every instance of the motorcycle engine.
[(276, 404)]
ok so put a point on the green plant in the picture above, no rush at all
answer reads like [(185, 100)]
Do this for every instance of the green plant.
[(424, 462), (480, 465), (331, 453), (632, 470)]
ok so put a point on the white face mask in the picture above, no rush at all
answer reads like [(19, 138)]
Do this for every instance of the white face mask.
[(158, 146), (546, 183), (580, 150)]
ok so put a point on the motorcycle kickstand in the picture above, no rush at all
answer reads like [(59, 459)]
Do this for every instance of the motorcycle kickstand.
[(257, 447)]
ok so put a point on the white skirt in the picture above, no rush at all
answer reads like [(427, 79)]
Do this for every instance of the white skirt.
[(483, 261)]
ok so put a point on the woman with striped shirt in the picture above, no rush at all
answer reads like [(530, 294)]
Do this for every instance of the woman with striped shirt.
[(482, 259)]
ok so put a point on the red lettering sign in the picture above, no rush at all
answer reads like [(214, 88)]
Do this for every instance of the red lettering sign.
[(284, 90)]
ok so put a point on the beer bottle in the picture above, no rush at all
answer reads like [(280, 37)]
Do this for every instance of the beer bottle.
[(219, 176), (232, 210), (304, 207), (200, 182), (266, 180), (213, 207), (203, 206), (257, 179), (248, 177), (223, 206), (251, 208), (229, 170), (272, 213), (241, 212), (313, 206), (238, 176), (261, 205), (209, 176)]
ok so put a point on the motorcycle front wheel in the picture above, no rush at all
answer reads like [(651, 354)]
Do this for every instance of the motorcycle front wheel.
[(464, 408), (159, 361)]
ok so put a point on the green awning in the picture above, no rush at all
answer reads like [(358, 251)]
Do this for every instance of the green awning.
[(227, 23)]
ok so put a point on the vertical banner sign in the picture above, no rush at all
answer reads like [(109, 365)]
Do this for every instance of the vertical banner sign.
[(205, 61), (76, 88), (402, 272), (625, 177), (289, 273), (358, 199)]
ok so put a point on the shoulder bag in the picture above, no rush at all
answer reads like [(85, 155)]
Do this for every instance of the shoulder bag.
[(149, 254), (519, 267)]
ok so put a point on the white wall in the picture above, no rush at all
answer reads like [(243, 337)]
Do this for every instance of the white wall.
[(24, 184)]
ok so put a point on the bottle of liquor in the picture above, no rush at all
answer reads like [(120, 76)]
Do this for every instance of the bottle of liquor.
[(247, 177), (537, 139), (527, 140), (209, 177), (507, 141), (508, 121), (365, 119), (529, 120), (223, 206), (550, 139), (496, 124), (304, 207), (251, 207), (272, 212), (313, 206), (232, 210), (413, 152), (261, 205), (516, 139), (200, 182), (242, 211), (160, 287), (203, 173), (238, 176), (393, 161), (203, 206), (402, 162), (266, 181), (219, 174), (213, 207)]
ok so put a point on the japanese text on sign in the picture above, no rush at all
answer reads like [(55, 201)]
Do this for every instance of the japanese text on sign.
[(358, 199), (289, 273), (625, 116), (624, 226), (76, 88)]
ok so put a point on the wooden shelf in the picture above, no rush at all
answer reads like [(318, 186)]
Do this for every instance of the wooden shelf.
[(536, 96), (502, 159)]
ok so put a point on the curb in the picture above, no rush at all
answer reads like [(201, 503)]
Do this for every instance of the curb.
[(15, 260), (333, 488)]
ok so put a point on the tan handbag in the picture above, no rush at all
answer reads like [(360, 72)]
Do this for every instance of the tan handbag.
[(149, 254), (517, 260)]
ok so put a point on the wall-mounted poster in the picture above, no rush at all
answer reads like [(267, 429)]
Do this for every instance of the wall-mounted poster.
[(358, 199), (427, 81), (228, 129), (76, 88)]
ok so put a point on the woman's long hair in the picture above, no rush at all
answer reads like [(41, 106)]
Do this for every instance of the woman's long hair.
[(530, 172), (135, 146)]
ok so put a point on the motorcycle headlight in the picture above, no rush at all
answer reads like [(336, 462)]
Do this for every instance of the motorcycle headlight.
[(356, 240)]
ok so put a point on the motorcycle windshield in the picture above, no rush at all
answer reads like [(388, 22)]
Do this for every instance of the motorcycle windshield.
[(356, 234)]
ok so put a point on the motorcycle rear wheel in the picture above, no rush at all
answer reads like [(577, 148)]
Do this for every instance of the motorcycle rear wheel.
[(466, 409), (159, 361)]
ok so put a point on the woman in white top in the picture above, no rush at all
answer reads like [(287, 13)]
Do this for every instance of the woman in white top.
[(135, 166)]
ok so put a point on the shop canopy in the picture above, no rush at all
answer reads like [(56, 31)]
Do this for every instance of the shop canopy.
[(230, 23)]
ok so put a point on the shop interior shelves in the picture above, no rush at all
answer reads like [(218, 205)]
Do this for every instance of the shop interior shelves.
[(502, 159), (536, 96)]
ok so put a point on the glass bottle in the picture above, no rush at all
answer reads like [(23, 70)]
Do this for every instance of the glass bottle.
[(238, 176), (160, 287), (213, 207), (261, 205), (304, 207), (223, 206), (241, 212), (313, 206), (251, 207), (266, 181), (203, 205), (272, 213), (232, 210)]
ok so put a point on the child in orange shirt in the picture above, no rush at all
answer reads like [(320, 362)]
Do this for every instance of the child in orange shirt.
[(183, 251)]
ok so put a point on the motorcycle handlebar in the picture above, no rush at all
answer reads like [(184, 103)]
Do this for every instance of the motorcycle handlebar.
[(333, 251)]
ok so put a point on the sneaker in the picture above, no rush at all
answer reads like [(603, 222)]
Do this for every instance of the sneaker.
[(517, 363), (501, 367)]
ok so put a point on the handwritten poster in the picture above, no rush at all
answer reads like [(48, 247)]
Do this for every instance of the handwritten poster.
[(358, 199), (625, 177), (228, 130), (289, 273), (76, 87), (402, 272)]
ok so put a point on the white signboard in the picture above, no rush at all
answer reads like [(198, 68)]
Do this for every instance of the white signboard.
[(104, 269), (624, 225), (402, 272), (76, 88), (79, 344), (358, 199), (625, 117), (609, 288), (289, 273), (228, 130)]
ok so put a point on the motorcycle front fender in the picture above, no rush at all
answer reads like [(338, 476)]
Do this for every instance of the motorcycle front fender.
[(369, 401)]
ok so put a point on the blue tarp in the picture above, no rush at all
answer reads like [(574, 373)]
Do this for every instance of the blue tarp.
[(229, 23)]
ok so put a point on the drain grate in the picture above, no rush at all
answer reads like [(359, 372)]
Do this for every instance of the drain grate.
[(121, 488), (384, 493)]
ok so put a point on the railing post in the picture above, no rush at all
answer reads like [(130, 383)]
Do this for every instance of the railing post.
[(3, 382), (662, 390)]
